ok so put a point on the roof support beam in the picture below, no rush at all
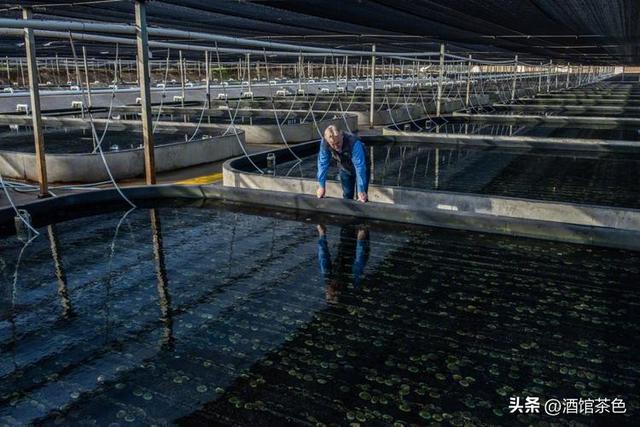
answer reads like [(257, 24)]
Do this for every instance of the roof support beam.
[(144, 79), (32, 68)]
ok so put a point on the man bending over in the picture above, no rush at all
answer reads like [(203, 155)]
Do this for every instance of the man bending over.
[(349, 153)]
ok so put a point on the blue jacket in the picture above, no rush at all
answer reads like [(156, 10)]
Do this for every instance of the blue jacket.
[(351, 159)]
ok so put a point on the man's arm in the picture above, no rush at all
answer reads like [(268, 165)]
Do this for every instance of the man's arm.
[(360, 163), (324, 160)]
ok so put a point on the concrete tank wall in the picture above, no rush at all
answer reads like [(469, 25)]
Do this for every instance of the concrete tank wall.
[(123, 164), (628, 219), (504, 211)]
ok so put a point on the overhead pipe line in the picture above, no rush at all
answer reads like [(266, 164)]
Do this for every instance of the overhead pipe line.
[(176, 46), (67, 26)]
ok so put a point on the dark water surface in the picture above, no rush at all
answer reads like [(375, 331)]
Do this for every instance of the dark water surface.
[(77, 141), (559, 110), (609, 179), (222, 316), (547, 130)]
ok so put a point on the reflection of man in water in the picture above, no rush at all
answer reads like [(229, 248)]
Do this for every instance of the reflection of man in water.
[(353, 253)]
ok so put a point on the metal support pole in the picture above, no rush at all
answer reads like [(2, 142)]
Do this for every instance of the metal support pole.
[(115, 73), (57, 70), (142, 44), (86, 75), (300, 67), (41, 164), (468, 94), (515, 79), (373, 84), (8, 72), (249, 70), (568, 74), (77, 72), (66, 68), (24, 82), (440, 81), (207, 69), (346, 68), (540, 78), (549, 76), (580, 75), (436, 175), (182, 77)]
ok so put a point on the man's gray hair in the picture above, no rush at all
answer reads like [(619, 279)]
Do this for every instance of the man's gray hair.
[(331, 130)]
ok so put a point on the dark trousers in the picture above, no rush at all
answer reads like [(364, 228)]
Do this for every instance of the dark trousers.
[(348, 181)]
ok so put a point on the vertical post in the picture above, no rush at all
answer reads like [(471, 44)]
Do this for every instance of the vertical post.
[(514, 81), (57, 70), (540, 78), (182, 77), (436, 175), (142, 45), (77, 72), (8, 72), (579, 75), (549, 76), (86, 75), (373, 84), (566, 85), (115, 72), (207, 69), (440, 81), (346, 69), (300, 68), (66, 68), (183, 81), (468, 94), (239, 69), (556, 73), (24, 82), (41, 165), (249, 70)]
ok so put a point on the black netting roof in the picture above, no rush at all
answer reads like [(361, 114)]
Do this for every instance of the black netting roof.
[(579, 31)]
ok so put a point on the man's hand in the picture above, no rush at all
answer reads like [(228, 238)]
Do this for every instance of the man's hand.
[(362, 197), (320, 192)]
